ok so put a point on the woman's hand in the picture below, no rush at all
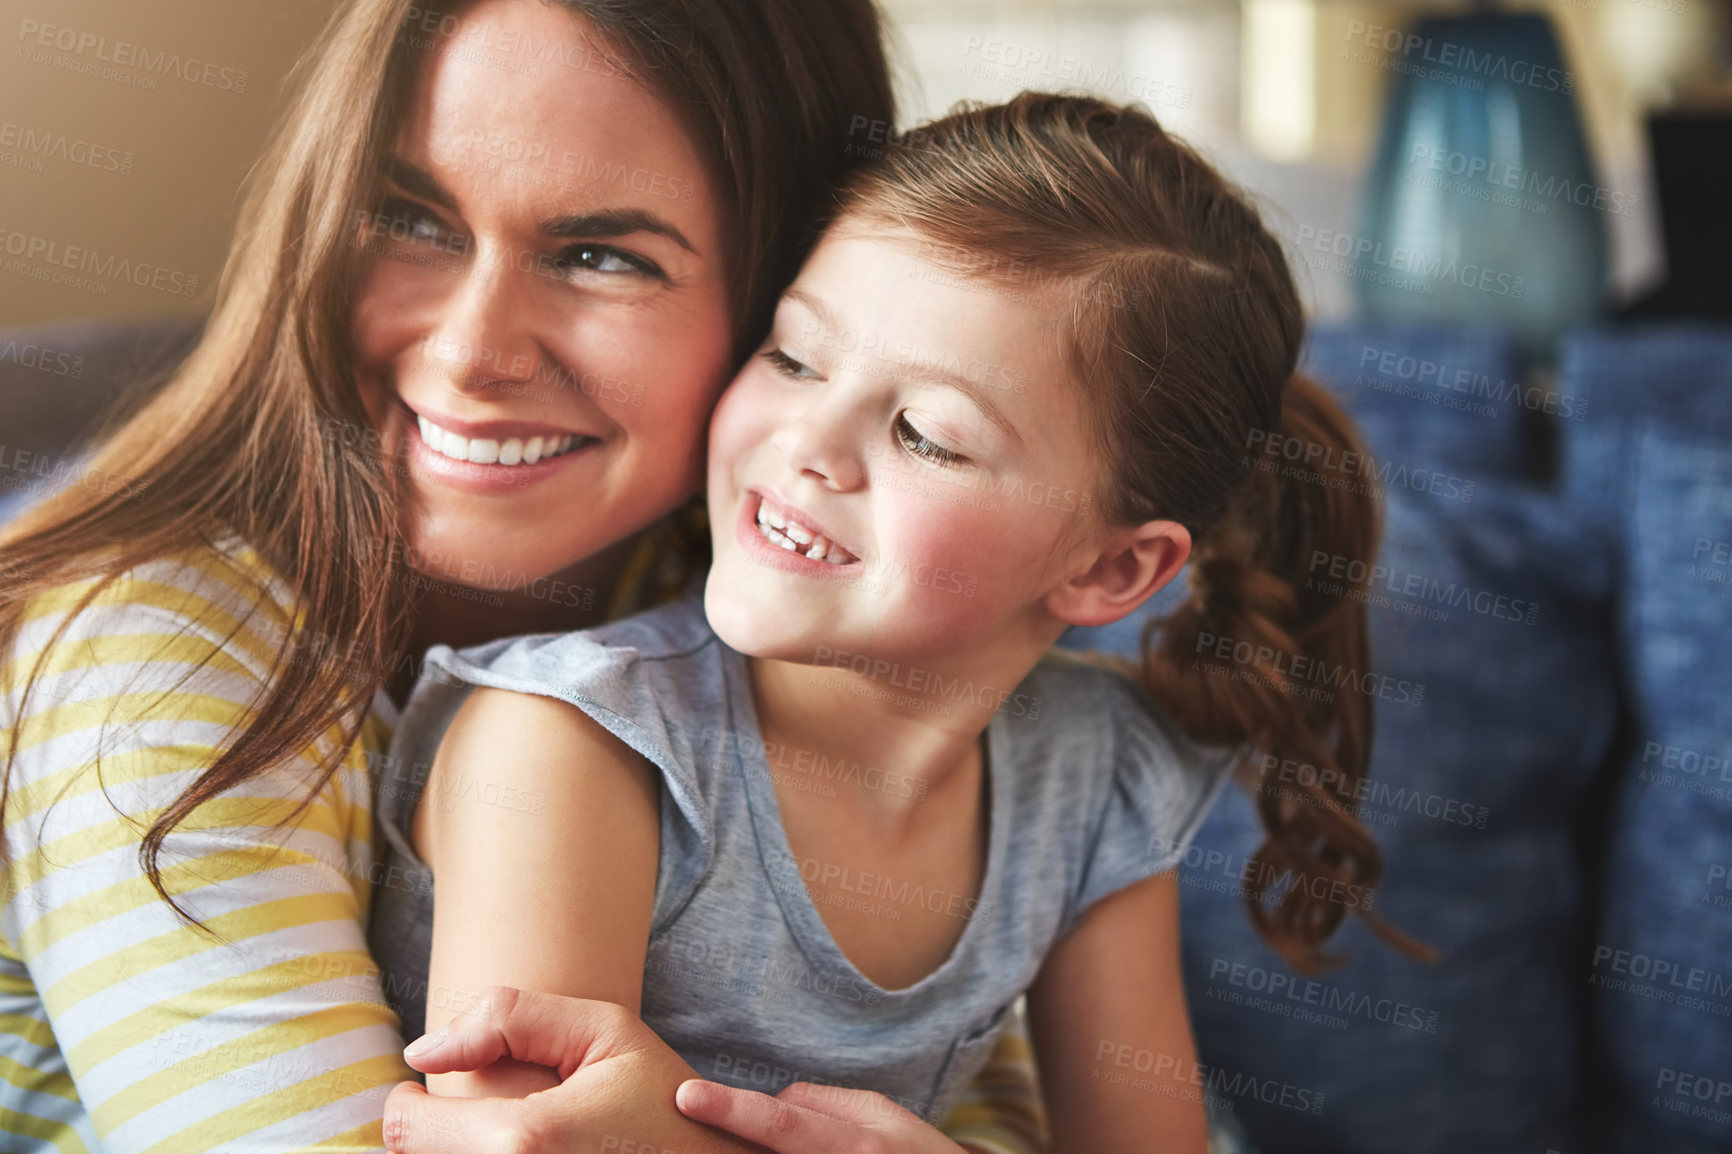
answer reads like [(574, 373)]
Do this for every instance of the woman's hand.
[(808, 1119), (616, 1091)]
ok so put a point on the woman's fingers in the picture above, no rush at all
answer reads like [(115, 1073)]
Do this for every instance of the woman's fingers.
[(417, 1122), (770, 1122), (808, 1119), (546, 1029), (858, 1106)]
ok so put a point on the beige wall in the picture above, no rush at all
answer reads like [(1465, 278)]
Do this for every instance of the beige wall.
[(155, 196), (127, 181)]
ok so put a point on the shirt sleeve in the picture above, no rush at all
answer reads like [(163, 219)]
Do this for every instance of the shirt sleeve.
[(269, 1032), (1160, 789), (633, 678)]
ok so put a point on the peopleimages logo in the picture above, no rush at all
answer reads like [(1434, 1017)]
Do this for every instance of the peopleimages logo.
[(1408, 267), (1413, 49), (137, 57), (1501, 175), (37, 145), (1441, 378), (86, 260)]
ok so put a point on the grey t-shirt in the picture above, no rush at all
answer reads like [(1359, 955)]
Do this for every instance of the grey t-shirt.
[(1089, 791)]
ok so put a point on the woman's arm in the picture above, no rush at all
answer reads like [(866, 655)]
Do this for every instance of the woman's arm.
[(1113, 1037), (542, 831), (125, 1026)]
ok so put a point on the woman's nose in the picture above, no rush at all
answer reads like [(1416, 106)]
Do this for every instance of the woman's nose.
[(825, 442), (483, 337)]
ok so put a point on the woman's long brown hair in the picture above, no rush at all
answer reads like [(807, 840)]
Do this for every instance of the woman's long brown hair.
[(1185, 332), (248, 437)]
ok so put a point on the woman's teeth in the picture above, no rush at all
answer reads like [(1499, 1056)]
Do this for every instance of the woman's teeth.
[(781, 531), (481, 451)]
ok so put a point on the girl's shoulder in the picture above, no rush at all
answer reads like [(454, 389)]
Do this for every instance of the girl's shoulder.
[(661, 681), (1091, 696), (557, 663), (1117, 786)]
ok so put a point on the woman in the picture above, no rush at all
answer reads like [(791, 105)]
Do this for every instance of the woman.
[(491, 273)]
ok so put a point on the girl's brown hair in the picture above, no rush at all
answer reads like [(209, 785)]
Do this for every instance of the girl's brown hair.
[(254, 434), (1185, 330)]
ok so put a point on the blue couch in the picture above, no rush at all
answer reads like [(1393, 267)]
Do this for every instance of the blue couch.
[(1551, 790), (1551, 787)]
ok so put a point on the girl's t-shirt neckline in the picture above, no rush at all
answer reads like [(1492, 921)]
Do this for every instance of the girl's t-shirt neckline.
[(776, 854)]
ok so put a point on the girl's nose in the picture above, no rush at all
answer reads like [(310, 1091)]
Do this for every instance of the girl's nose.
[(825, 442)]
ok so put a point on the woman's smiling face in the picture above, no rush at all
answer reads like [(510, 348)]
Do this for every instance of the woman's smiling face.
[(543, 322)]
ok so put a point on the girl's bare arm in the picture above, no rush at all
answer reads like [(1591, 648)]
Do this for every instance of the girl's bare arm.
[(542, 831), (1113, 1037)]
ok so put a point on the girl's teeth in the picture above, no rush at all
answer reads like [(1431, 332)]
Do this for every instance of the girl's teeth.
[(511, 452), (796, 538), (455, 447), (483, 452), (532, 450)]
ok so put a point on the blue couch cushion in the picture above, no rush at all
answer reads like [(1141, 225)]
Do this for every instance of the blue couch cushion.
[(1431, 396), (58, 381), (1655, 468)]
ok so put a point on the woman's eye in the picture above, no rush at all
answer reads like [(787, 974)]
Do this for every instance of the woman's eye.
[(408, 221), (579, 259), (917, 443), (789, 367)]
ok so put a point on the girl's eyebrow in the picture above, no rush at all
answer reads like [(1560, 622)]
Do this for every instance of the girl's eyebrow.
[(604, 224), (974, 392), (930, 374)]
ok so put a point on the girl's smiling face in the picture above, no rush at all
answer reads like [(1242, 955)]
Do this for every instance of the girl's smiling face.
[(917, 438), (544, 321)]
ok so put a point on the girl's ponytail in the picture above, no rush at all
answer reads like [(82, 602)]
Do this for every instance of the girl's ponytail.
[(1261, 655), (1184, 328)]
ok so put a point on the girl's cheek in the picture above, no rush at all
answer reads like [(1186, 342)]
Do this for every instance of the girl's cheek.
[(741, 419), (725, 435)]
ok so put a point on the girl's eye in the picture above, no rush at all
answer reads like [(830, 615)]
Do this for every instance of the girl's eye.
[(789, 367), (606, 260), (916, 442)]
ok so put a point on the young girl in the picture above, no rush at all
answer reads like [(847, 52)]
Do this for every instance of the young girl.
[(828, 825)]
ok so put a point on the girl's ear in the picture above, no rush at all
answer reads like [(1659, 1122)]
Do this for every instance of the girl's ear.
[(1125, 570)]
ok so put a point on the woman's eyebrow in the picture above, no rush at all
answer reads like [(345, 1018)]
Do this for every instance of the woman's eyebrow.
[(605, 224), (420, 182)]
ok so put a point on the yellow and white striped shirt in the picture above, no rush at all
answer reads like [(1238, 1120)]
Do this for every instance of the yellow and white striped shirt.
[(122, 1029)]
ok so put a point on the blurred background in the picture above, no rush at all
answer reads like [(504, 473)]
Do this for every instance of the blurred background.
[(1287, 95), (1511, 222)]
